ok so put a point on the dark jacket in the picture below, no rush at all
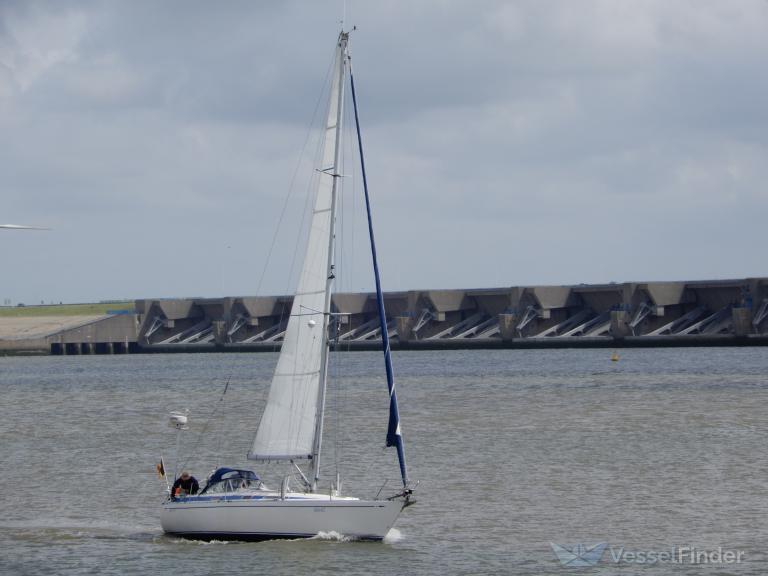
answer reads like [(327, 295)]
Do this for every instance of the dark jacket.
[(190, 486)]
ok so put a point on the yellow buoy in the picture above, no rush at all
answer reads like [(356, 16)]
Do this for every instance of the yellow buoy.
[(615, 356)]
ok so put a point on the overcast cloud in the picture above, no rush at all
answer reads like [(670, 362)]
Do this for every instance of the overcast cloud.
[(508, 143)]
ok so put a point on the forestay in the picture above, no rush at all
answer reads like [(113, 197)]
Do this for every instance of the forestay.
[(290, 420)]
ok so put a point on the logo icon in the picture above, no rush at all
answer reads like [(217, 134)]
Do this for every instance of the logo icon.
[(579, 555)]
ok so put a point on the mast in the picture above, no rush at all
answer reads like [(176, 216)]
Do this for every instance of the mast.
[(333, 172), (394, 435)]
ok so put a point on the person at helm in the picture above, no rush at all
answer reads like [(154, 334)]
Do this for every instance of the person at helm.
[(185, 484)]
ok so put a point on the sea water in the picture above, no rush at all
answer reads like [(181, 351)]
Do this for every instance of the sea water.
[(528, 462)]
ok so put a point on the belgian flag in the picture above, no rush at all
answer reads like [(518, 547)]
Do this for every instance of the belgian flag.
[(160, 469)]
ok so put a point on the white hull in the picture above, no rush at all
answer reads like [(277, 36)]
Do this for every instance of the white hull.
[(266, 517)]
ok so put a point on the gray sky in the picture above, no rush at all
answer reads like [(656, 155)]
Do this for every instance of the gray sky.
[(508, 143)]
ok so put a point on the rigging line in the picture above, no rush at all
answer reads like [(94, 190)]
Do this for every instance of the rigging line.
[(309, 198), (284, 308), (305, 212), (343, 258), (373, 461), (292, 182), (348, 218), (342, 389), (221, 429), (338, 246), (354, 204), (347, 257), (207, 422), (335, 370), (344, 274), (314, 175)]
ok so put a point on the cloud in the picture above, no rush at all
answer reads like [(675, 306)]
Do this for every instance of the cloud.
[(507, 142)]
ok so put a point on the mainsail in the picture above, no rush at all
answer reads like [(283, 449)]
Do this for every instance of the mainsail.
[(290, 426)]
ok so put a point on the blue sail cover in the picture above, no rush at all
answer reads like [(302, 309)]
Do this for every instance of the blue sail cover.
[(225, 473), (394, 435), (230, 474)]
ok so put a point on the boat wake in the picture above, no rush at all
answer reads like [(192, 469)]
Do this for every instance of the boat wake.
[(62, 529), (332, 536), (394, 535), (191, 542)]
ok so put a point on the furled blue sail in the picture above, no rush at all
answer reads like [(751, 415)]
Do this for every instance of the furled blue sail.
[(394, 434)]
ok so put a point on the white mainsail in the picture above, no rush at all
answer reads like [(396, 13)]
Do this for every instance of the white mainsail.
[(290, 425)]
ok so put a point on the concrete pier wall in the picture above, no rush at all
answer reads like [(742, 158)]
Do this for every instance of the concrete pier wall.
[(61, 335), (109, 335), (628, 314), (722, 312)]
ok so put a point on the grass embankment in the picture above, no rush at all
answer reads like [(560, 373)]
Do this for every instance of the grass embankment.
[(63, 309)]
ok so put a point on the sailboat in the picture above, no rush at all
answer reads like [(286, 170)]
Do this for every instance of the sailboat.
[(235, 504)]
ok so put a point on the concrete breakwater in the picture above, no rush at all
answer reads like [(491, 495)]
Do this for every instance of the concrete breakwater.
[(697, 313)]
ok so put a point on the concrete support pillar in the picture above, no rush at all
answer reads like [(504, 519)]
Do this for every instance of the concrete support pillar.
[(110, 348), (87, 348), (404, 328), (219, 331), (742, 321), (507, 323), (620, 323)]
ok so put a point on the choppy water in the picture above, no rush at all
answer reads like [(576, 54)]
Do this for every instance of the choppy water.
[(513, 449)]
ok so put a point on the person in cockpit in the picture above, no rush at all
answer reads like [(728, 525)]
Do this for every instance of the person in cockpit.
[(185, 484)]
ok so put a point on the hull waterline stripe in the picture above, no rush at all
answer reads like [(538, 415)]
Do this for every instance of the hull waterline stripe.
[(229, 507), (256, 536)]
